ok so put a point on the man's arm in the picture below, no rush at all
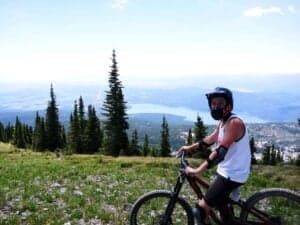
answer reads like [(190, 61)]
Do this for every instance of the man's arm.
[(234, 130), (208, 140)]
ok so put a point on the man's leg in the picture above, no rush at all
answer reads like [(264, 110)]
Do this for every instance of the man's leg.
[(201, 212)]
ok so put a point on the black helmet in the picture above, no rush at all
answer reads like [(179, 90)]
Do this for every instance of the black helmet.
[(220, 92)]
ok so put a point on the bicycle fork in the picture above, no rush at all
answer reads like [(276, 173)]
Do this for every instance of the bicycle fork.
[(174, 195)]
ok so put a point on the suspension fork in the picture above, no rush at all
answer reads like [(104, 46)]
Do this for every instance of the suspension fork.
[(173, 199)]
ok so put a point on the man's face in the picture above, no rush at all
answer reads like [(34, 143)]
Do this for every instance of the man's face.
[(218, 102)]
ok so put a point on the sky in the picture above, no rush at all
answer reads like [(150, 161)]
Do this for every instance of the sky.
[(156, 41)]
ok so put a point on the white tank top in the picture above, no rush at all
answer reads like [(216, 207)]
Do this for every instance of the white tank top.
[(237, 161)]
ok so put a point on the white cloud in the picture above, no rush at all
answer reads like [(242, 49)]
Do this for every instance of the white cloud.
[(259, 11), (119, 4), (291, 9)]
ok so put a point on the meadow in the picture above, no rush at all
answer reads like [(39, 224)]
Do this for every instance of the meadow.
[(44, 188)]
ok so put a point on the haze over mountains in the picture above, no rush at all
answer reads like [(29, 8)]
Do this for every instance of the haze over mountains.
[(271, 98)]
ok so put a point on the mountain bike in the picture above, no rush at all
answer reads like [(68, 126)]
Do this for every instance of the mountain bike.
[(271, 206)]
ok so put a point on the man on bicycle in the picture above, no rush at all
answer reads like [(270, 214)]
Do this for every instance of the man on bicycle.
[(231, 154)]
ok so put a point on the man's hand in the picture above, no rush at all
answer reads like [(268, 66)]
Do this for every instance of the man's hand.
[(191, 171), (184, 148)]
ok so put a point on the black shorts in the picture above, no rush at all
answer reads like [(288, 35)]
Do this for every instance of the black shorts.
[(219, 191)]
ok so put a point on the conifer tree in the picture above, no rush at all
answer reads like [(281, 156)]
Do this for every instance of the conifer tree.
[(146, 149), (2, 133), (189, 139), (278, 156), (253, 150), (273, 156), (165, 149), (81, 114), (63, 137), (19, 139), (93, 134), (114, 107), (134, 147), (39, 134), (200, 133), (9, 132), (266, 155), (74, 138), (52, 124)]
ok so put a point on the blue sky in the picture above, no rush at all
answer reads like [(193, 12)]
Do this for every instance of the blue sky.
[(156, 41)]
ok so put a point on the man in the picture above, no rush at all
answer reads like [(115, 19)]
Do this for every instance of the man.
[(231, 154)]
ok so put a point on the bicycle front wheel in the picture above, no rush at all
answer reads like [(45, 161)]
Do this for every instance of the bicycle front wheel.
[(273, 206), (150, 210)]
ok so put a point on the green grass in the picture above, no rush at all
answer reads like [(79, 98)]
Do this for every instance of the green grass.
[(40, 189)]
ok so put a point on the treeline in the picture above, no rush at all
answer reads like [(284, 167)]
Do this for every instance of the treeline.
[(270, 155), (86, 133)]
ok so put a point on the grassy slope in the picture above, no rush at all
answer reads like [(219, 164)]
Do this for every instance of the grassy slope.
[(43, 189)]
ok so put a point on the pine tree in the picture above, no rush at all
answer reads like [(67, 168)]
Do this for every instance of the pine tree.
[(63, 137), (39, 134), (200, 133), (279, 158), (266, 155), (114, 107), (19, 139), (189, 139), (81, 114), (134, 146), (52, 124), (273, 156), (253, 150), (146, 150), (74, 139), (93, 134), (165, 149), (9, 132), (2, 133)]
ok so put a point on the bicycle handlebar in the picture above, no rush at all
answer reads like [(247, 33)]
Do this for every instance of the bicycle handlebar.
[(183, 161)]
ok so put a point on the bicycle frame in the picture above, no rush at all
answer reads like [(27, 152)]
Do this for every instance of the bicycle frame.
[(196, 182)]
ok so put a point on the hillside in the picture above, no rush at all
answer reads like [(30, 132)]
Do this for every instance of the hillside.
[(253, 99), (37, 188)]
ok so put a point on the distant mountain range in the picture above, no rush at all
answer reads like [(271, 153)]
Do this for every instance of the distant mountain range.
[(275, 100)]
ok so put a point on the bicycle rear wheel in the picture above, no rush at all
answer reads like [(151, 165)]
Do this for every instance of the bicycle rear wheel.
[(272, 206), (150, 209)]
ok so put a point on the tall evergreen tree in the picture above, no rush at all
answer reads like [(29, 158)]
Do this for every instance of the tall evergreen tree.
[(134, 147), (63, 136), (74, 138), (39, 134), (200, 131), (9, 132), (273, 156), (279, 157), (253, 150), (165, 149), (52, 124), (19, 139), (28, 134), (189, 139), (81, 115), (114, 107), (146, 149), (2, 133), (266, 155), (93, 134)]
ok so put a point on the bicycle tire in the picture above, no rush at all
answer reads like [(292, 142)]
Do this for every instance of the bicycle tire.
[(282, 207), (183, 215)]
